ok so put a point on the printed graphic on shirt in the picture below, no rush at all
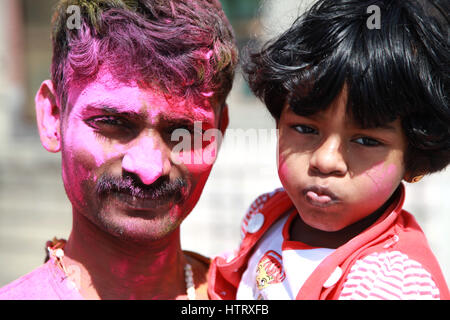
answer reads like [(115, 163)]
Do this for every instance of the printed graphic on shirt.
[(269, 270)]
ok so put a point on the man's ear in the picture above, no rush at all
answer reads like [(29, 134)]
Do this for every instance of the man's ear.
[(48, 117), (224, 119)]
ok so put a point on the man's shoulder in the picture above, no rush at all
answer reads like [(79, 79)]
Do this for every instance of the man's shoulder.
[(36, 285)]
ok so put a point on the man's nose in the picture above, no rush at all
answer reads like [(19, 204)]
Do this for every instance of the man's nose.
[(146, 159), (328, 158)]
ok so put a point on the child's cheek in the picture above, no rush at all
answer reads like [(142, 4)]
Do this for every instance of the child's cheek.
[(283, 171), (383, 177), (291, 165)]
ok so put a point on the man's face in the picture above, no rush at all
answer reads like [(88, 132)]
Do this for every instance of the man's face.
[(118, 165)]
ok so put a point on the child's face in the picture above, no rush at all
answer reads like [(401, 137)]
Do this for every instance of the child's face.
[(335, 172)]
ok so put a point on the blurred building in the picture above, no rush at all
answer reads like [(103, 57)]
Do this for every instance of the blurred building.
[(33, 204)]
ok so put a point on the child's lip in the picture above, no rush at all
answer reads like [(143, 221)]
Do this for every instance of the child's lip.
[(320, 196)]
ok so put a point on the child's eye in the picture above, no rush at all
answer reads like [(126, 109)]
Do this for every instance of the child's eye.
[(368, 142), (303, 129)]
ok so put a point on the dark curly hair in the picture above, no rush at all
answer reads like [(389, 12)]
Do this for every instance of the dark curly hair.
[(181, 47), (398, 71)]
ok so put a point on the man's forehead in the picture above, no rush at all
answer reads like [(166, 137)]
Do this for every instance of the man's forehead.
[(107, 94)]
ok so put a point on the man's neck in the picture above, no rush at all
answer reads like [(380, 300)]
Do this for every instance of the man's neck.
[(113, 268)]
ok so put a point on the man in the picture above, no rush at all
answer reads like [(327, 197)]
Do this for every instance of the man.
[(127, 76)]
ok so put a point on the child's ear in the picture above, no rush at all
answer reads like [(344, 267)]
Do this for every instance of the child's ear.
[(48, 117), (412, 178)]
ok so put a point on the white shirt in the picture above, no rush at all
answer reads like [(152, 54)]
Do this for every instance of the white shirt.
[(279, 267)]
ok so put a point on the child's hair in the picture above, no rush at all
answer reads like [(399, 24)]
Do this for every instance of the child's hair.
[(398, 71), (184, 47)]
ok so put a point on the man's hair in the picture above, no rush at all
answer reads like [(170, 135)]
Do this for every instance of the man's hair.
[(398, 71), (184, 48)]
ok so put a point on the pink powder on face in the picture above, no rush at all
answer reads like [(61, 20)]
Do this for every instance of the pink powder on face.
[(111, 93), (131, 97), (382, 176), (140, 156), (201, 154), (283, 170), (196, 160), (145, 160)]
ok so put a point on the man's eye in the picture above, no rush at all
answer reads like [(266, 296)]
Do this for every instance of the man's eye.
[(113, 127), (303, 129), (107, 122), (368, 142)]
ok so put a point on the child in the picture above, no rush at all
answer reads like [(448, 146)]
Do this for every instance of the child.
[(358, 110)]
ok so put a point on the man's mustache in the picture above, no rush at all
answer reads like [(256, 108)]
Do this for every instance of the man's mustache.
[(161, 189)]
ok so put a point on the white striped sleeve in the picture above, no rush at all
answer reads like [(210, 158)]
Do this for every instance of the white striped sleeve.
[(388, 276)]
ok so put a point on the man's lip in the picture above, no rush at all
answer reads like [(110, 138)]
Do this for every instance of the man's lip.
[(320, 196)]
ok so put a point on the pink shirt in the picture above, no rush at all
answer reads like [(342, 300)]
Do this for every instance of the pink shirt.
[(47, 282)]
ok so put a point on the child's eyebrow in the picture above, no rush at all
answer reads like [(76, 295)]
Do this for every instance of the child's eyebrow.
[(350, 122), (381, 126), (387, 127)]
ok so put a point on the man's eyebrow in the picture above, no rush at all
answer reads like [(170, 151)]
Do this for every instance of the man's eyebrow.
[(185, 118), (107, 108)]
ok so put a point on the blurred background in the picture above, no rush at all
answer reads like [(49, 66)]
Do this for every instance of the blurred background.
[(33, 204)]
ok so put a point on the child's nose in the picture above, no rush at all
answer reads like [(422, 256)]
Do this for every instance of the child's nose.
[(328, 158), (146, 159)]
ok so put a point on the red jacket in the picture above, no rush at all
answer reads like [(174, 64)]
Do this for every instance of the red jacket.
[(395, 230)]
